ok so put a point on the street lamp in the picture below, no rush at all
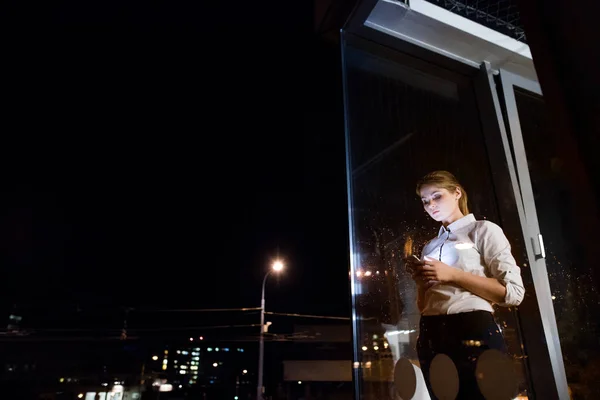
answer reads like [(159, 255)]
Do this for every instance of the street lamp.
[(276, 267)]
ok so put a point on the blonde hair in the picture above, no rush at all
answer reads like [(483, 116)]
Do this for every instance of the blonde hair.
[(445, 180)]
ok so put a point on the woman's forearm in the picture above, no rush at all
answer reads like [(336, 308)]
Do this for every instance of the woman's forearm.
[(488, 288)]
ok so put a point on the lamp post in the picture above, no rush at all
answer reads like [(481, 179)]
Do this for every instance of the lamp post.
[(276, 267)]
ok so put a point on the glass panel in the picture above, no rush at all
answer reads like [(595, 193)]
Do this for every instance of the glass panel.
[(403, 122), (567, 210)]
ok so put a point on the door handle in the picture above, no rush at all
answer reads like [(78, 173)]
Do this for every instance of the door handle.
[(539, 250)]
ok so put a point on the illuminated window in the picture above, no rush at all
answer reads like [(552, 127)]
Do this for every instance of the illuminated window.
[(209, 349), (185, 353), (217, 349), (196, 358), (164, 367), (194, 367), (183, 366), (165, 361), (226, 349), (182, 372)]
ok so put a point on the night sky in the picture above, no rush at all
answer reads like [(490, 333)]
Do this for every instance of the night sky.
[(160, 156)]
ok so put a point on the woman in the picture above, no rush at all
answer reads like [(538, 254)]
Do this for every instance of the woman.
[(466, 269)]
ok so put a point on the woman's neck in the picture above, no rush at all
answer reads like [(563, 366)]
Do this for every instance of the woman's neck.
[(453, 218)]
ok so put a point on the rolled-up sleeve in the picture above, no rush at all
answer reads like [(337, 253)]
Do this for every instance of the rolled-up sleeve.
[(501, 264)]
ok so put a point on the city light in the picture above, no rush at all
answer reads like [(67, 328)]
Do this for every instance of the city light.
[(299, 382), (215, 365), (277, 266), (201, 338), (154, 358), (166, 387), (245, 371), (191, 339), (80, 395), (368, 273), (375, 348), (365, 348), (61, 380)]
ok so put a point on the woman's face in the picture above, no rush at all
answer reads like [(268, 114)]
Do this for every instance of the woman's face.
[(440, 204)]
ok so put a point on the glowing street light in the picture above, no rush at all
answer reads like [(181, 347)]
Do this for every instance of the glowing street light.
[(215, 365), (276, 267), (154, 358), (245, 371)]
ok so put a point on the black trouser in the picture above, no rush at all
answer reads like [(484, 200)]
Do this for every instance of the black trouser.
[(452, 335)]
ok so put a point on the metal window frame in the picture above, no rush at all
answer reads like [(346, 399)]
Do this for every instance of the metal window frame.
[(535, 251)]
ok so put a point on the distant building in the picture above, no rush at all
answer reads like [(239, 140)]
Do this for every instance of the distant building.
[(210, 370)]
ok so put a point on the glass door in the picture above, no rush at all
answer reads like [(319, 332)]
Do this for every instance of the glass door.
[(405, 118), (560, 207)]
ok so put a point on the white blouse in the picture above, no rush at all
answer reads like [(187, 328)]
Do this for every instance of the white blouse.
[(478, 247)]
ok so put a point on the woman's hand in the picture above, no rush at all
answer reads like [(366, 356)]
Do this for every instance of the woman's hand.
[(414, 267), (434, 270)]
